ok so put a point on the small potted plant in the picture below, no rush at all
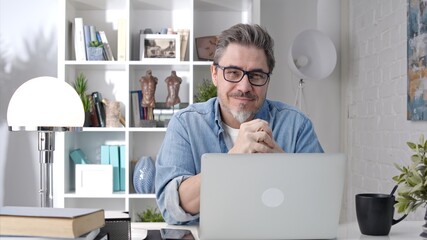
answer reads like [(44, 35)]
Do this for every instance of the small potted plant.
[(95, 51), (150, 215), (80, 85), (205, 91), (412, 180)]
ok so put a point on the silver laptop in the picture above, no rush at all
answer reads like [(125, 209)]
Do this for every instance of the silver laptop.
[(271, 196)]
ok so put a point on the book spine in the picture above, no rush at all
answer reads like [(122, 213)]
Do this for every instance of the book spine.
[(104, 53), (121, 40), (105, 154), (92, 30), (135, 110), (107, 47), (100, 110), (87, 38), (79, 40), (115, 161), (122, 164)]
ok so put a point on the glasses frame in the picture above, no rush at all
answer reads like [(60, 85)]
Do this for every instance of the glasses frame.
[(247, 73)]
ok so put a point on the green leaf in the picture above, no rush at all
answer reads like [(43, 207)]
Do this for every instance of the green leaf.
[(411, 145)]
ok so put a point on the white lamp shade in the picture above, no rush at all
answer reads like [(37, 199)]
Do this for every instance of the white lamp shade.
[(312, 55), (45, 102)]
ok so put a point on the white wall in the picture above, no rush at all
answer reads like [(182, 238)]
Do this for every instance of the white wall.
[(284, 20), (376, 97), (28, 48)]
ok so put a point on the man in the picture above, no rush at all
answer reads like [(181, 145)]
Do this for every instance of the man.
[(239, 120)]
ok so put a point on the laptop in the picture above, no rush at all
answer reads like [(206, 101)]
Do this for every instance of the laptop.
[(271, 196)]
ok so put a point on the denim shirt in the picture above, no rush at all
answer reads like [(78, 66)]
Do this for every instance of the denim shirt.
[(198, 129)]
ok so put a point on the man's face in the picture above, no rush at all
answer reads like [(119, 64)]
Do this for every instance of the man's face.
[(240, 101)]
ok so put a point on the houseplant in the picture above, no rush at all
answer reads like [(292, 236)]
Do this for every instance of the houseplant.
[(95, 51), (412, 180), (205, 91), (80, 85), (150, 215)]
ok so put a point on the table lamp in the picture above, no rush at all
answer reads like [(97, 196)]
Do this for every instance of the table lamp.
[(46, 105)]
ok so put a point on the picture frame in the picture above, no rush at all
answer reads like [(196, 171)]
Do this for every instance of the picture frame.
[(206, 47), (160, 46), (416, 62)]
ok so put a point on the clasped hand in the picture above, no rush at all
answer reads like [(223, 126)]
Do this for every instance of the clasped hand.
[(255, 137)]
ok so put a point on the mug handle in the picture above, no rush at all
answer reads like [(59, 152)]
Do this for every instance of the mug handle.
[(400, 219)]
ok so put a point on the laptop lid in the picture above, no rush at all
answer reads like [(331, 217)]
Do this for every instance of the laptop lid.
[(271, 196)]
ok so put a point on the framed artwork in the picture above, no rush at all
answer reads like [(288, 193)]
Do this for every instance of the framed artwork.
[(417, 60), (163, 46), (206, 47)]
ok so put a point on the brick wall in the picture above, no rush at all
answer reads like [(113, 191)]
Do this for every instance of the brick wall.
[(377, 128)]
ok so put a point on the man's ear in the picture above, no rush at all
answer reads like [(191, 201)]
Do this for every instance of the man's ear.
[(214, 75)]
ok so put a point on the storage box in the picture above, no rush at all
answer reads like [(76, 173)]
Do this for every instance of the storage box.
[(94, 179)]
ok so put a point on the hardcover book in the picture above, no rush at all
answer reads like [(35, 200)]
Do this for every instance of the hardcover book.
[(79, 40), (49, 222)]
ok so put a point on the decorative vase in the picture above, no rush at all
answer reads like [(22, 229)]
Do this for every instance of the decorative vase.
[(95, 54), (87, 122), (143, 175)]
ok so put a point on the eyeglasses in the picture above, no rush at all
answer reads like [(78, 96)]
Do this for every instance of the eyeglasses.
[(235, 75)]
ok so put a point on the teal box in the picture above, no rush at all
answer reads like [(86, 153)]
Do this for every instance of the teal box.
[(105, 154), (122, 167), (78, 156), (115, 161)]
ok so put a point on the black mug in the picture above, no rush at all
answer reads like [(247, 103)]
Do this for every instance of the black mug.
[(375, 213)]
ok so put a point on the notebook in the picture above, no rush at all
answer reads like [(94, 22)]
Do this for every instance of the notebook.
[(271, 196)]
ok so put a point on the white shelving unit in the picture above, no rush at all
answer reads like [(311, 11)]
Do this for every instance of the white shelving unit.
[(114, 80)]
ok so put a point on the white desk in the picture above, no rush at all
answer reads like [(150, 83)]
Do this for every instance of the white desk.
[(406, 230)]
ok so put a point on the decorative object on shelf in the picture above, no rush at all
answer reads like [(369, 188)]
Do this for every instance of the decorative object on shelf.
[(413, 191), (48, 115), (312, 56), (150, 215), (95, 51), (164, 46), (206, 47), (113, 116), (173, 83), (148, 86), (416, 45), (143, 175), (80, 85), (205, 91)]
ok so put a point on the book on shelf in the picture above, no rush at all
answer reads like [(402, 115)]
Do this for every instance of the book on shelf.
[(121, 39), (99, 108), (136, 107), (86, 31), (106, 44), (122, 165), (184, 34), (115, 161), (79, 40), (49, 222)]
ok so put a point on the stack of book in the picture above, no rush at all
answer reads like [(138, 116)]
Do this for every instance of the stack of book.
[(86, 35), (36, 222)]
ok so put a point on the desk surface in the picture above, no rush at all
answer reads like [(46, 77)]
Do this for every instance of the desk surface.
[(405, 230)]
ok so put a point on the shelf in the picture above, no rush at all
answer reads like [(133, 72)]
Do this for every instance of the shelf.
[(115, 79)]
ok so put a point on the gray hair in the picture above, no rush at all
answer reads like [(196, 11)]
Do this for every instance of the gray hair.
[(247, 35)]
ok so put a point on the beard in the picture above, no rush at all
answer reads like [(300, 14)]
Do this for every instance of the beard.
[(242, 114)]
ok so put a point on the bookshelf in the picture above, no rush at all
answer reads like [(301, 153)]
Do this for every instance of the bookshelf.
[(115, 80)]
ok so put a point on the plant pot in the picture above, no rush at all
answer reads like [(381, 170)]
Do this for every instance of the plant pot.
[(95, 54), (87, 122)]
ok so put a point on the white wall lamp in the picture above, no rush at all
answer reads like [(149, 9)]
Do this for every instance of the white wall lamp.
[(46, 105), (312, 56)]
